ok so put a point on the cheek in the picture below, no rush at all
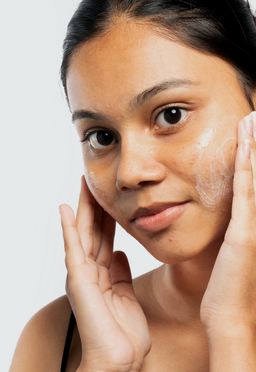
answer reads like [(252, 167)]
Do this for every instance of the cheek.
[(101, 186), (214, 174)]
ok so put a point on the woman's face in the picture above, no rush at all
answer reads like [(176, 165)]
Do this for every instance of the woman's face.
[(159, 121)]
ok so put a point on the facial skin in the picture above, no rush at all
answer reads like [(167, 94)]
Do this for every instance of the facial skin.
[(152, 161)]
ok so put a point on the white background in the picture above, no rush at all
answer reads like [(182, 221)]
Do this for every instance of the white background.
[(41, 165)]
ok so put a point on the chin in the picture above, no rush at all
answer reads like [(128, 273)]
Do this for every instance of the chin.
[(178, 244)]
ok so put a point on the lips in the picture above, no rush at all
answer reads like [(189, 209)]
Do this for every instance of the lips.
[(158, 217)]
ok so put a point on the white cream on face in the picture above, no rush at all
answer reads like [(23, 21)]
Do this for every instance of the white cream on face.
[(205, 139), (97, 185), (214, 182)]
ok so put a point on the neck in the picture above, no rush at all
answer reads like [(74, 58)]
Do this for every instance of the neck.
[(179, 288)]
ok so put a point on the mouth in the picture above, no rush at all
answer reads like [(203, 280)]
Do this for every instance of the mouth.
[(157, 217)]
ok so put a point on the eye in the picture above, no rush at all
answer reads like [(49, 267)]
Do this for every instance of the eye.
[(100, 139), (170, 116)]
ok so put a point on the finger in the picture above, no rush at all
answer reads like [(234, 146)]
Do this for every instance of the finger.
[(107, 240), (96, 230), (253, 147), (121, 277), (245, 132), (73, 247), (243, 208), (85, 217), (120, 268)]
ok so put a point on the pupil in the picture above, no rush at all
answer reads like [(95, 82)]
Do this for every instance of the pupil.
[(104, 138), (172, 116)]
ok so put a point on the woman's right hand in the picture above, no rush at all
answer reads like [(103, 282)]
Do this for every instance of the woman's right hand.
[(112, 326)]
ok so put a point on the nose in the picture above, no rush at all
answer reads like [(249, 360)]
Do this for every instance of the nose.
[(138, 166)]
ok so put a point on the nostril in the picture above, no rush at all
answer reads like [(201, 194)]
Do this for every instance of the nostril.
[(149, 174), (145, 183)]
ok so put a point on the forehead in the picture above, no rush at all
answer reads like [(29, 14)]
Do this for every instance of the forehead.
[(130, 59)]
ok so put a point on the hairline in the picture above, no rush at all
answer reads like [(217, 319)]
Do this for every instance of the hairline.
[(114, 21)]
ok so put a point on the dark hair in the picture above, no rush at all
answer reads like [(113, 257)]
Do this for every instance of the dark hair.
[(224, 28)]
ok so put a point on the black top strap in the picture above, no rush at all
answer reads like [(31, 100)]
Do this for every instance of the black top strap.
[(71, 326)]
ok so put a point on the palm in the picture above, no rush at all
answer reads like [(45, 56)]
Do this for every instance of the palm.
[(111, 323)]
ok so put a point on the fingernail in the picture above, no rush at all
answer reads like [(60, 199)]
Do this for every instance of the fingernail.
[(247, 148), (248, 125)]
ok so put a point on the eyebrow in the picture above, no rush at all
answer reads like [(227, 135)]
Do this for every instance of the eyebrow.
[(140, 99)]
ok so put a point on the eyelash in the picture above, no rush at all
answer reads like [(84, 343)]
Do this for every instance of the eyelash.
[(163, 109), (88, 134), (169, 107)]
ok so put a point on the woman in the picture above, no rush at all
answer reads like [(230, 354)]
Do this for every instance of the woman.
[(162, 95)]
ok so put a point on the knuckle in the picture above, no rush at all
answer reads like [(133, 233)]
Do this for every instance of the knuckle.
[(76, 244), (245, 191), (65, 245), (66, 262), (88, 230), (68, 226)]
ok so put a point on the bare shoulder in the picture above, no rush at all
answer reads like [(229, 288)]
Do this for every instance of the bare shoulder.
[(41, 343)]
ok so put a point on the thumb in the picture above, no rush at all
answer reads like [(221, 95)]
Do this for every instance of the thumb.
[(121, 277), (120, 268)]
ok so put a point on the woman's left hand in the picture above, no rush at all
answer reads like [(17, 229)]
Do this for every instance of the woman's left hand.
[(229, 303)]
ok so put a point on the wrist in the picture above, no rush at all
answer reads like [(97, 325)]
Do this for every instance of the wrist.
[(232, 328), (229, 324), (232, 349)]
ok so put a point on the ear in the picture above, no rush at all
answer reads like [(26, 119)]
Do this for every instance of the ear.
[(254, 99)]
